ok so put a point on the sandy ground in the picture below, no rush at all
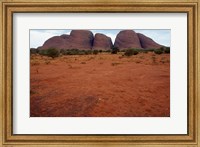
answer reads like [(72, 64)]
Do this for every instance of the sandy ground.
[(102, 85)]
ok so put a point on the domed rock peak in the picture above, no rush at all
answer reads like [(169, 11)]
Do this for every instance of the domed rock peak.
[(148, 43), (81, 39), (127, 39), (54, 42), (78, 39), (85, 40), (102, 42)]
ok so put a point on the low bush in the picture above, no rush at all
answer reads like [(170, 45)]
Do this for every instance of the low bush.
[(52, 52), (114, 50), (75, 52), (62, 51), (47, 62), (43, 52), (130, 52), (162, 48), (115, 63), (123, 50), (72, 52), (145, 52), (88, 52), (158, 51), (153, 59), (95, 52), (81, 53), (148, 50), (108, 51), (34, 51), (167, 50), (35, 62)]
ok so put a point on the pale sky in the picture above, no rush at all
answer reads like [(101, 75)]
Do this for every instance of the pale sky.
[(39, 36)]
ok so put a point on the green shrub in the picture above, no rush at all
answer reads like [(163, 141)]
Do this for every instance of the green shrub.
[(78, 52), (62, 51), (114, 50), (95, 52), (153, 59), (148, 50), (88, 52), (162, 48), (158, 51), (167, 50), (123, 50), (81, 52), (130, 52), (52, 52), (43, 52), (108, 51), (72, 52), (34, 51), (145, 52), (67, 52)]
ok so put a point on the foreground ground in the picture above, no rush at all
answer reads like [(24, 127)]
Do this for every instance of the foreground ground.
[(100, 85)]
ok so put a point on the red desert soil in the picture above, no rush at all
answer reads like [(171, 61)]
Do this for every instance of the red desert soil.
[(102, 85)]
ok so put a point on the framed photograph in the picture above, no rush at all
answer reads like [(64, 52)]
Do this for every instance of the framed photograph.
[(100, 73)]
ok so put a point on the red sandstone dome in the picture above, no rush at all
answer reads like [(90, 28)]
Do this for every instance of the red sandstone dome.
[(81, 39), (54, 42), (85, 40), (127, 39), (102, 42), (78, 39), (147, 42)]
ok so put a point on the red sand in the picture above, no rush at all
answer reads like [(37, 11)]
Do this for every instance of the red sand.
[(101, 85)]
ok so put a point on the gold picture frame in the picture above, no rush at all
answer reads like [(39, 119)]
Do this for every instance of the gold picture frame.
[(191, 7)]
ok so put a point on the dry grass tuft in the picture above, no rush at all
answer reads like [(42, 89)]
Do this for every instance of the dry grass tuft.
[(47, 62), (35, 63), (115, 63)]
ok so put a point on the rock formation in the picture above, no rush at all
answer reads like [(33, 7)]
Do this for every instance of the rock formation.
[(85, 40), (81, 39), (102, 42), (78, 39), (127, 39), (54, 42), (147, 42)]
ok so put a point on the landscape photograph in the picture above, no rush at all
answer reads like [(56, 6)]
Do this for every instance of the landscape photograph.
[(100, 73)]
